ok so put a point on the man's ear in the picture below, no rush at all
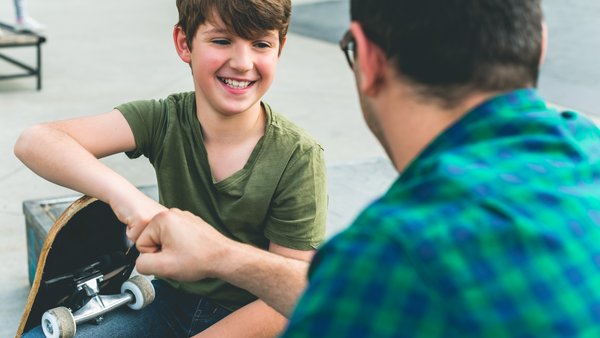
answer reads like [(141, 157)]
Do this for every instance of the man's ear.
[(181, 44), (370, 61), (544, 42)]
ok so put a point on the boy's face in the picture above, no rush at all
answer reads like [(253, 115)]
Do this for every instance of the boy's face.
[(232, 74)]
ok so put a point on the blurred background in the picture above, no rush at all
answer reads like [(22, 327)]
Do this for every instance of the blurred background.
[(103, 53)]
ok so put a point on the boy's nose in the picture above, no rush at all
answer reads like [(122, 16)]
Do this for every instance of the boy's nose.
[(241, 59)]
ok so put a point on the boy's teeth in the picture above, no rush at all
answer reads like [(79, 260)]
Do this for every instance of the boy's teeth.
[(236, 84)]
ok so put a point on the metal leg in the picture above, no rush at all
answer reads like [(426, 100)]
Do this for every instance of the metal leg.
[(39, 67), (30, 40)]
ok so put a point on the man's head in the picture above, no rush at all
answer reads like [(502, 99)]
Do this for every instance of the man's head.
[(447, 49), (245, 18)]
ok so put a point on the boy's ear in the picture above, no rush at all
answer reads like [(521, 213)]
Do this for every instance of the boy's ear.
[(370, 63), (181, 44), (282, 44)]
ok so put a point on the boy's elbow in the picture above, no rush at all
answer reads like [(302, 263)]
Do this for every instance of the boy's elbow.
[(26, 141)]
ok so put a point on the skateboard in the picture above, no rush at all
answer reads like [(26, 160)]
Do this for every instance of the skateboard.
[(83, 272)]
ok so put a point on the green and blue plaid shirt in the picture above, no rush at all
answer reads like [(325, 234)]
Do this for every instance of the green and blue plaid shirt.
[(492, 231)]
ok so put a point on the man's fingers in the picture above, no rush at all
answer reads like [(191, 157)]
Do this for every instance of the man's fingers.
[(152, 264), (148, 248), (170, 239), (152, 261), (149, 240)]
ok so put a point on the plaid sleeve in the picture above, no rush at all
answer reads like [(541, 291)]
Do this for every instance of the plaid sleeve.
[(363, 285), (509, 280)]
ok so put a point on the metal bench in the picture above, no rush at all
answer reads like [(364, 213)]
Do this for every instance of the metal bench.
[(10, 37)]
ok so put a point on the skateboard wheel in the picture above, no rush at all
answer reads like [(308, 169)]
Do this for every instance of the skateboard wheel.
[(58, 323), (142, 290)]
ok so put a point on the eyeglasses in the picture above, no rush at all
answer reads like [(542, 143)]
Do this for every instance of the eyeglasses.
[(348, 45)]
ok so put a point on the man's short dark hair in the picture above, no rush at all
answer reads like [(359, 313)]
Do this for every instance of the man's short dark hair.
[(448, 48)]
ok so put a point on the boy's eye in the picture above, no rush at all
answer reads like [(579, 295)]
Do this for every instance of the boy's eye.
[(221, 41), (262, 44)]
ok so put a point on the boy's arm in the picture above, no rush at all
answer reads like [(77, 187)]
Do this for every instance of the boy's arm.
[(256, 319), (67, 152)]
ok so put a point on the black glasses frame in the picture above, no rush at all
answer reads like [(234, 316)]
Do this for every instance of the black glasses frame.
[(348, 46)]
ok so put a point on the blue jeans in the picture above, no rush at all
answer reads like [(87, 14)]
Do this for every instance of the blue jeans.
[(172, 314)]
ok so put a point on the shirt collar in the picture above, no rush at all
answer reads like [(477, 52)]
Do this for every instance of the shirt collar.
[(478, 124)]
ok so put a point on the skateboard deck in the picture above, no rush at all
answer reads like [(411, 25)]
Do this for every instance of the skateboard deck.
[(85, 257)]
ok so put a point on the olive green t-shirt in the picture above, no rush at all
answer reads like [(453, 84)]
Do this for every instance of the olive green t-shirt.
[(279, 196)]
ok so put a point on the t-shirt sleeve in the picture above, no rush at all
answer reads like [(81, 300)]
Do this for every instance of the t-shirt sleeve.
[(147, 120), (299, 208)]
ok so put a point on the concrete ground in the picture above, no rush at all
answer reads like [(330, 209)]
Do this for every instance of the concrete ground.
[(103, 53)]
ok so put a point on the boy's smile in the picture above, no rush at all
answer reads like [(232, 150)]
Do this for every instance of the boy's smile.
[(231, 74), (236, 84)]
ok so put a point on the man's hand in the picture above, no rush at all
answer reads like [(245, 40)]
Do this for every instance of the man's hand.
[(179, 245)]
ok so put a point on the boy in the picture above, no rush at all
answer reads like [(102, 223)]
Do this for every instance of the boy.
[(218, 152)]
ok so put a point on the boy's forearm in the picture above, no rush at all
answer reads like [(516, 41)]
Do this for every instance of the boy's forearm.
[(58, 158), (256, 319)]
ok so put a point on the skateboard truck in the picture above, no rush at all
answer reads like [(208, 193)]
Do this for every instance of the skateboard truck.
[(92, 290), (136, 293)]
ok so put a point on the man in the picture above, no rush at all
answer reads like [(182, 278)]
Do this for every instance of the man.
[(492, 228)]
